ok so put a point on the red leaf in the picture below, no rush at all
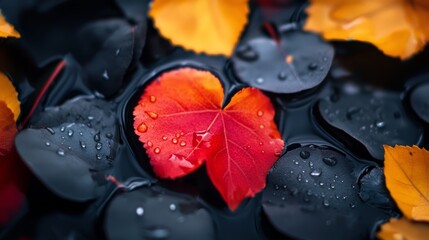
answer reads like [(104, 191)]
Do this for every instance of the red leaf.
[(11, 176), (180, 120)]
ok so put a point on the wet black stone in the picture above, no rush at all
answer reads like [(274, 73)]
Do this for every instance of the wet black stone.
[(310, 59)]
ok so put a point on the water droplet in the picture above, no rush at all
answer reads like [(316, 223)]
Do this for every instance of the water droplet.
[(97, 137), (82, 144), (109, 135), (181, 160), (149, 144), (140, 211), (282, 75), (304, 154), (330, 161), (157, 150), (325, 59), (105, 75), (352, 205), (380, 124), (310, 164), (98, 156), (174, 140), (260, 80), (247, 53), (98, 146), (142, 128), (202, 139), (326, 202), (90, 118), (321, 184), (352, 112), (80, 133), (276, 187), (260, 113), (117, 51), (165, 138), (152, 115), (172, 207), (312, 66), (277, 152), (69, 148), (70, 133), (261, 143), (177, 135), (261, 126), (50, 130), (152, 99), (309, 192), (61, 152), (182, 143), (156, 233), (299, 178), (62, 129), (47, 144), (316, 172), (294, 191)]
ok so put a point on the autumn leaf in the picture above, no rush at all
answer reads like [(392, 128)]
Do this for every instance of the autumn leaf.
[(10, 178), (397, 27), (407, 177), (7, 30), (404, 229), (181, 122), (209, 26)]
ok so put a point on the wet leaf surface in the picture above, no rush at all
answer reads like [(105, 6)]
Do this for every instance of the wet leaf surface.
[(70, 147), (153, 213), (299, 62), (420, 101), (314, 188), (367, 119)]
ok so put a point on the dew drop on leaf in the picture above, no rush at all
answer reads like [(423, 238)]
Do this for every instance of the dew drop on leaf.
[(152, 99), (157, 150), (152, 115), (142, 128)]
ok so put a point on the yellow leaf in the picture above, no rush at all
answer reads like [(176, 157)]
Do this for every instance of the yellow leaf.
[(9, 95), (407, 177), (404, 229), (209, 26), (7, 30), (399, 28)]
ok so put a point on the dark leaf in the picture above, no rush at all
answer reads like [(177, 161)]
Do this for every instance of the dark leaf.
[(311, 194), (151, 213), (300, 61)]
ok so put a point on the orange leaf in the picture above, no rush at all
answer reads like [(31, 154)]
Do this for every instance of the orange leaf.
[(397, 27), (210, 26), (404, 229), (181, 122), (407, 178), (7, 30), (9, 95), (7, 129)]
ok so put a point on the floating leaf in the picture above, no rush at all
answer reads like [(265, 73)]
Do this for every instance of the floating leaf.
[(407, 173), (210, 26), (404, 229), (397, 27), (7, 30), (181, 122)]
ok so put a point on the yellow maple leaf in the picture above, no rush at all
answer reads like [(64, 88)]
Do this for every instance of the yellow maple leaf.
[(404, 229), (209, 26), (407, 177), (7, 30), (399, 28)]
